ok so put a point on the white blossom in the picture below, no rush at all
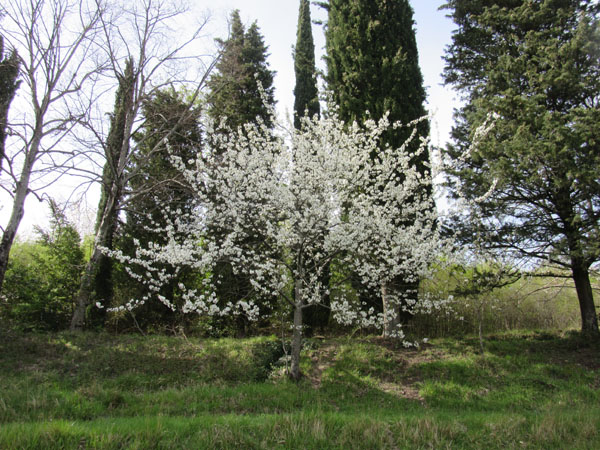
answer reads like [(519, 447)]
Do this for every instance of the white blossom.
[(313, 196)]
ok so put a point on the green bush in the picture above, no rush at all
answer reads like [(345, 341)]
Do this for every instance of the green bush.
[(42, 278)]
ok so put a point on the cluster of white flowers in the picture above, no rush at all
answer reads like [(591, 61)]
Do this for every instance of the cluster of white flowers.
[(280, 207)]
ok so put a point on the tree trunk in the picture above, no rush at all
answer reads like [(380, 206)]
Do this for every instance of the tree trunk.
[(86, 287), (18, 208), (589, 320), (8, 237), (480, 326), (297, 334), (84, 293), (391, 316)]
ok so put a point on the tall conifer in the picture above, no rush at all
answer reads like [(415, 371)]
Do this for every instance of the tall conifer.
[(159, 194), (373, 69), (373, 63), (235, 97), (534, 66), (234, 91), (306, 95)]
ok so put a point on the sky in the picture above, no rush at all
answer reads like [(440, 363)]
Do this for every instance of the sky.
[(277, 20)]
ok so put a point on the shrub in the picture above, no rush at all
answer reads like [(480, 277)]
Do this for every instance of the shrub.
[(42, 277)]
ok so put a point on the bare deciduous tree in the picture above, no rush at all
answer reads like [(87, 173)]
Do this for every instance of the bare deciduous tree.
[(146, 53), (54, 41), (9, 73)]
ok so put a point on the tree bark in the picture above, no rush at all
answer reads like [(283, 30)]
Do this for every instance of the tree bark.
[(84, 293), (391, 314), (589, 319), (86, 287), (18, 208), (297, 334)]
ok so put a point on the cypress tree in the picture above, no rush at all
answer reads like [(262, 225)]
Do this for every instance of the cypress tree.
[(158, 194), (373, 63), (306, 102), (373, 69), (102, 280), (235, 97), (9, 72), (306, 95)]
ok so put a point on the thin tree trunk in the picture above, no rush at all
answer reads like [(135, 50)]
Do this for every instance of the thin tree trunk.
[(480, 327), (297, 334), (391, 316), (83, 298), (18, 208), (8, 237), (589, 320), (84, 293)]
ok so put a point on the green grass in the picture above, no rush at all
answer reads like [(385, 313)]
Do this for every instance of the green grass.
[(529, 390)]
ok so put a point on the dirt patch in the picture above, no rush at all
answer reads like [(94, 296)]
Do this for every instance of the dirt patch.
[(323, 358), (401, 391), (400, 387), (588, 358)]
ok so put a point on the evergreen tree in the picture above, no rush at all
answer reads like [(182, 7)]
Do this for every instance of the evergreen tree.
[(306, 95), (159, 194), (236, 98), (535, 65), (373, 64), (373, 69), (102, 284), (234, 92), (43, 275), (9, 72), (170, 121)]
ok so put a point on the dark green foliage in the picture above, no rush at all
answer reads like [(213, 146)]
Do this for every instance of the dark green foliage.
[(171, 128), (266, 355), (42, 277), (159, 194), (236, 99), (535, 65), (372, 64), (117, 141), (234, 92), (373, 69), (306, 95), (9, 72), (116, 150)]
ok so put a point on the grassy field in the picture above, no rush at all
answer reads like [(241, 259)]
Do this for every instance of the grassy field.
[(529, 390)]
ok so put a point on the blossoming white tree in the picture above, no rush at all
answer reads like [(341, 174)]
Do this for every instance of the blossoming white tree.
[(316, 195)]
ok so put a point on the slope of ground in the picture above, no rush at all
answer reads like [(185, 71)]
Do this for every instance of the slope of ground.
[(529, 390)]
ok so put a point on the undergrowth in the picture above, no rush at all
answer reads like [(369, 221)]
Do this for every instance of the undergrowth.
[(528, 390)]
